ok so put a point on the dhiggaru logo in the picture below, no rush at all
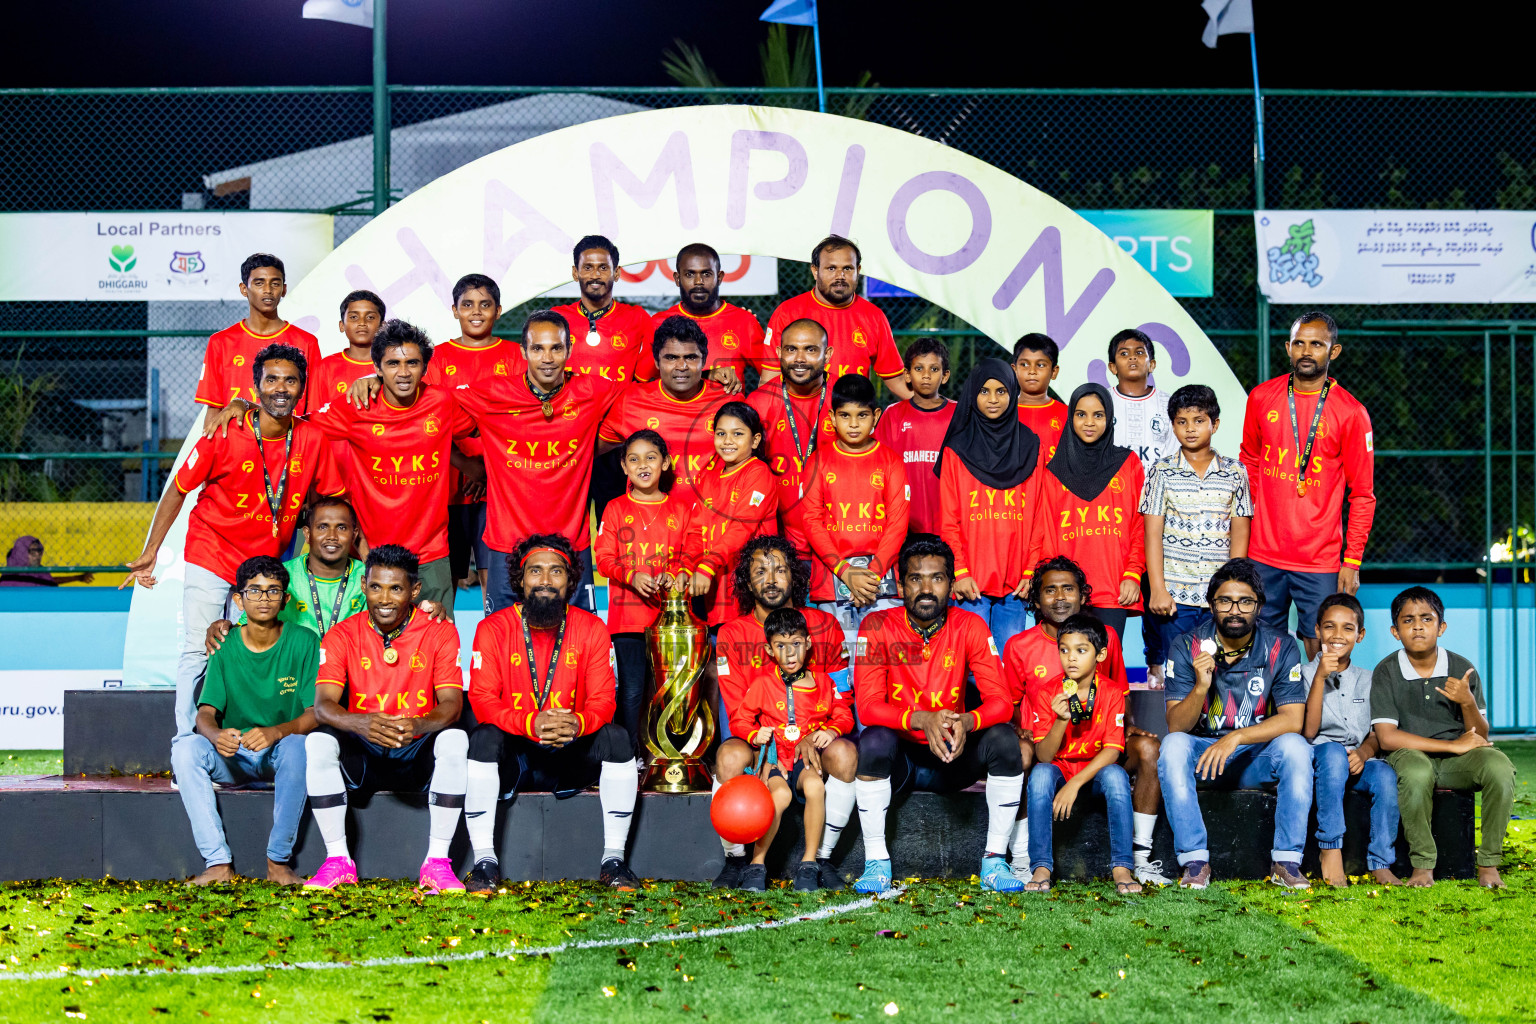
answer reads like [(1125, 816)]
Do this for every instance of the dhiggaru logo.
[(122, 259)]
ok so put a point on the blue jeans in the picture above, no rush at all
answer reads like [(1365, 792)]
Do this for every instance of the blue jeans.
[(1330, 766), (1169, 628), (1285, 760), (1006, 616), (204, 599), (198, 766), (1111, 783), (851, 618)]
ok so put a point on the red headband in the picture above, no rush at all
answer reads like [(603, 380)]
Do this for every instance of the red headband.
[(553, 551)]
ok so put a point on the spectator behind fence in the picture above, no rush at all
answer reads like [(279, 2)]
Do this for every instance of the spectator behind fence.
[(26, 553)]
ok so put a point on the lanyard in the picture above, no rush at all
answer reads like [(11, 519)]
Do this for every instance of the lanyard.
[(1079, 711), (791, 730), (541, 690), (546, 399), (274, 501), (341, 593), (390, 654), (1304, 456), (593, 338), (928, 634), (794, 431)]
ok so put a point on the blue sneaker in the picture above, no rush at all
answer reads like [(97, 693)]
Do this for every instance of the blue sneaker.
[(996, 876), (876, 877)]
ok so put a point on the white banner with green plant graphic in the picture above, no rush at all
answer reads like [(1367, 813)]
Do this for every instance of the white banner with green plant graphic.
[(1396, 256), (137, 257)]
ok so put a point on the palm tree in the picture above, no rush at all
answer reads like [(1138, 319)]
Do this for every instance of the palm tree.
[(788, 61)]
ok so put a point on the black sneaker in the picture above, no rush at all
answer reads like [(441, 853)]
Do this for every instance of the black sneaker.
[(484, 877), (807, 877), (616, 873), (730, 875), (827, 876), (754, 878)]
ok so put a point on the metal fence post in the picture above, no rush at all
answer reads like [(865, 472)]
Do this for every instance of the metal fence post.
[(1488, 513), (1514, 532), (380, 111)]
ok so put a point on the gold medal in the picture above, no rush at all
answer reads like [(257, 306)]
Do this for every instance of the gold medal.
[(1069, 687), (548, 409), (791, 732), (391, 655), (1301, 487)]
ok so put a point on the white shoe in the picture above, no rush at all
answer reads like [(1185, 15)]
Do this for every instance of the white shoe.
[(1151, 873), (1020, 869)]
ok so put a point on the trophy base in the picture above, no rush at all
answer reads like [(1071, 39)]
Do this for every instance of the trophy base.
[(676, 775)]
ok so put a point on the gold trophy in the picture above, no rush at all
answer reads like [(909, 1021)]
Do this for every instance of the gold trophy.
[(681, 724)]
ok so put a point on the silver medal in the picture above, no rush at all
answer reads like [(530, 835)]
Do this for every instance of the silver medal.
[(593, 338), (791, 732)]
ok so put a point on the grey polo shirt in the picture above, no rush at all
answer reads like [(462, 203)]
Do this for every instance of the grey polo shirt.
[(1346, 705)]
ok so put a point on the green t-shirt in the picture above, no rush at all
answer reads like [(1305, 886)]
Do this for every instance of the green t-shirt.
[(299, 598), (1400, 696), (275, 686)]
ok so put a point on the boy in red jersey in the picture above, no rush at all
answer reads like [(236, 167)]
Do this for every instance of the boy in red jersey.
[(1034, 363), (388, 699), (1306, 444), (859, 335), (640, 548), (1079, 733), (222, 384), (735, 336), (737, 500), (797, 708), (362, 314), (255, 478), (915, 427), (917, 731), (542, 690)]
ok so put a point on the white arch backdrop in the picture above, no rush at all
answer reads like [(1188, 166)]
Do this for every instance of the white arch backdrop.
[(761, 181)]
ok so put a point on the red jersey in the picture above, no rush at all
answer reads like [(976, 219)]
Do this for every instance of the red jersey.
[(989, 529), (527, 455), (639, 536), (227, 372), (232, 520), (740, 656), (455, 363), (855, 504), (398, 466), (1033, 657), (1305, 534), (352, 657), (918, 434), (688, 427), (1082, 741), (623, 349), (735, 337), (858, 333), (731, 508), (501, 682), (1103, 536), (1047, 421), (818, 705), (788, 445), (336, 374), (900, 673)]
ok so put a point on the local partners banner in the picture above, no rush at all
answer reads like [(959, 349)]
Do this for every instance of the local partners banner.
[(1396, 256), (134, 257)]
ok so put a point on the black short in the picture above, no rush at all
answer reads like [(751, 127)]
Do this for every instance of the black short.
[(793, 778), (564, 771), (369, 768), (886, 753)]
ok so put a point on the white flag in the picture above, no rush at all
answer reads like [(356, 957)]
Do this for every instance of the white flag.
[(351, 12), (1228, 17)]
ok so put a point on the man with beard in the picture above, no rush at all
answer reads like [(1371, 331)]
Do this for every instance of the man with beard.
[(910, 692), (255, 477), (768, 577), (609, 338), (735, 336), (859, 335), (1306, 444), (1058, 590), (542, 689), (1236, 705)]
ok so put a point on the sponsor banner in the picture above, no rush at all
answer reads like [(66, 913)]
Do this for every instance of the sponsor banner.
[(1396, 256), (739, 275), (32, 704), (134, 257)]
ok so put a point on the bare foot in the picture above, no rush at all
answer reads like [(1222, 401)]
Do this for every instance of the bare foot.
[(1422, 878), (1331, 862), (1125, 881), (282, 874), (1489, 878), (1040, 881), (1384, 876), (214, 875)]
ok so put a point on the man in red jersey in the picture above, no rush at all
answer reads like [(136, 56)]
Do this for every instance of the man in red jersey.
[(609, 338), (388, 699), (859, 334), (1306, 444), (399, 449), (735, 336), (917, 732), (797, 420), (768, 577), (916, 426), (1034, 363), (222, 384), (542, 687), (539, 430), (680, 405), (255, 478)]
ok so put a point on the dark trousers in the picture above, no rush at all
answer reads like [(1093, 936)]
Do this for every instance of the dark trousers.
[(885, 753), (564, 771), (634, 669)]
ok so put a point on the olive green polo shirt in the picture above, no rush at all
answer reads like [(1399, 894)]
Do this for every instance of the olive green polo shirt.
[(1402, 698)]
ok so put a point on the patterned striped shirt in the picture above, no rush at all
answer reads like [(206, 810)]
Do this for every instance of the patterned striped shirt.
[(1197, 519)]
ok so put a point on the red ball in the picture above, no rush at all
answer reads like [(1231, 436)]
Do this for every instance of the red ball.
[(742, 810)]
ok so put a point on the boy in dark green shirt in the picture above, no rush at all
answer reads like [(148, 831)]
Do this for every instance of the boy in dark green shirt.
[(1427, 710), (255, 708)]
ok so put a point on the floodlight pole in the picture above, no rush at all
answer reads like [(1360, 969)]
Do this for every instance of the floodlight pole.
[(380, 112)]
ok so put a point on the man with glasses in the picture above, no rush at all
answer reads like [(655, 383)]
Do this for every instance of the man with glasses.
[(1236, 705), (252, 716)]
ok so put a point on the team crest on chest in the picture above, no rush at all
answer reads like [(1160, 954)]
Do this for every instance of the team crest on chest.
[(859, 339), (728, 339), (877, 479), (431, 426), (569, 412), (619, 340), (295, 466)]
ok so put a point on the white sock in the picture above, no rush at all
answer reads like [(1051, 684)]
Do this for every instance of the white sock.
[(1003, 794), (327, 793), (731, 849), (841, 796), (1142, 826), (483, 780), (1019, 844), (617, 788), (445, 794), (874, 800)]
